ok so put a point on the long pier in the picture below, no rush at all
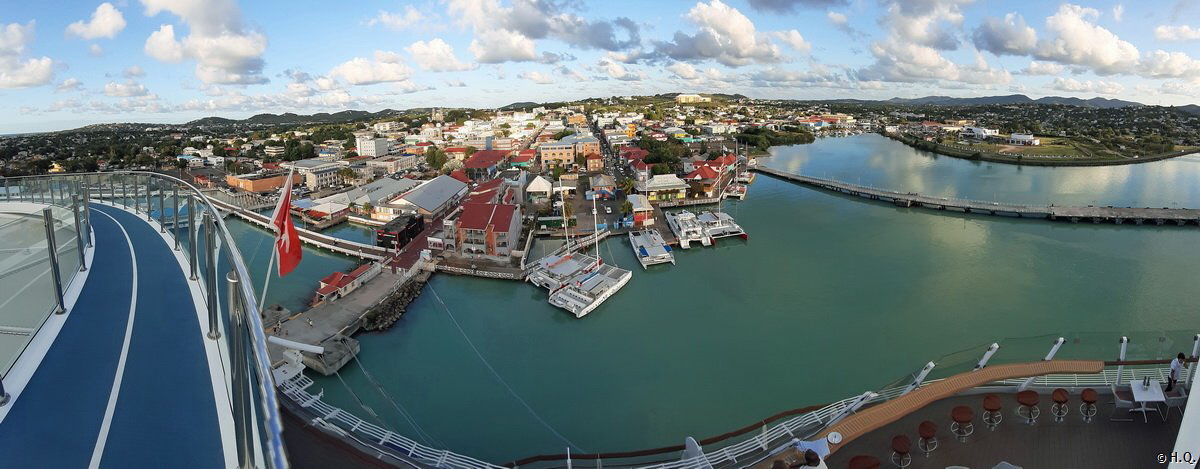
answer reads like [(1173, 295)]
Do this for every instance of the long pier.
[(349, 248), (1117, 215)]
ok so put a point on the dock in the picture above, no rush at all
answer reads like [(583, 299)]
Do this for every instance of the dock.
[(1073, 214), (350, 248), (577, 282)]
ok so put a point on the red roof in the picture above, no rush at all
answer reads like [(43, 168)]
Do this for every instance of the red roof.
[(594, 156), (337, 280), (460, 175), (270, 165), (523, 158), (482, 216), (362, 269), (456, 150), (634, 153), (703, 172), (528, 151), (640, 165), (485, 159), (423, 144)]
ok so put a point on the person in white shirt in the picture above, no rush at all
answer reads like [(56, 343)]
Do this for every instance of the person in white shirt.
[(1177, 366)]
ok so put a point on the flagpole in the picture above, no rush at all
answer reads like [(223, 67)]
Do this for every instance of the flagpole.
[(287, 185)]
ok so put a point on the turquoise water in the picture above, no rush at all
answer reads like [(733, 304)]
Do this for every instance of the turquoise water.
[(830, 297)]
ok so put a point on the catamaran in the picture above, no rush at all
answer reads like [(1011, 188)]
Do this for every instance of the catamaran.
[(650, 248)]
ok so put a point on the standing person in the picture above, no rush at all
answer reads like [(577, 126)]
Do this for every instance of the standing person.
[(1177, 366)]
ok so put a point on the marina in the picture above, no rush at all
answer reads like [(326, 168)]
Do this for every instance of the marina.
[(650, 248), (1001, 266), (720, 225)]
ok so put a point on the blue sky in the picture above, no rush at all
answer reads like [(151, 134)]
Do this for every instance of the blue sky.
[(71, 63)]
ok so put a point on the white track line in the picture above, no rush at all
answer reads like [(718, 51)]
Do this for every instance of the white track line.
[(106, 424)]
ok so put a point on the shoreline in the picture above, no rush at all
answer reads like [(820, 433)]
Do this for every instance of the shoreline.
[(1033, 161)]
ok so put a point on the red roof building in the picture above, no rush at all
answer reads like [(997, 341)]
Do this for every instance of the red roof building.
[(340, 284), (484, 163), (488, 229), (460, 175)]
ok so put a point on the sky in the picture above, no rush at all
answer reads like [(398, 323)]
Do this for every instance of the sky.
[(69, 63)]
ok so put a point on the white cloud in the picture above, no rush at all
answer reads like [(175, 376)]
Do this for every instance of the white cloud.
[(106, 21), (536, 77), (793, 39), (436, 56), (1118, 12), (70, 84), (502, 45), (683, 70), (1177, 33), (1076, 40), (387, 67), (95, 50), (1163, 64), (924, 22), (162, 46), (397, 21), (133, 72), (225, 51), (1010, 36), (125, 90), (14, 71), (1075, 86), (725, 35), (1043, 68), (618, 71)]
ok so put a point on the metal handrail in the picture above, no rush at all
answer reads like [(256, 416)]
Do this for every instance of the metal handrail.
[(257, 359)]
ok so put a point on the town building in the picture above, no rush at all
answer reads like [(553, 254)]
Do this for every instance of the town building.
[(557, 154), (483, 164), (691, 98), (399, 232), (595, 162), (433, 198), (262, 182), (603, 186), (643, 211), (368, 145), (274, 151), (392, 164), (663, 187), (317, 174), (1024, 139), (488, 229), (339, 284)]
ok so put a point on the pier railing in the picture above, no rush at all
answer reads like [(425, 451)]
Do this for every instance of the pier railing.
[(195, 227)]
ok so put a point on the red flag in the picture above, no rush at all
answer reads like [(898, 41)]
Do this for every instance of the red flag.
[(287, 240)]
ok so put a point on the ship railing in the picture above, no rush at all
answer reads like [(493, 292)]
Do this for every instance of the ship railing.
[(1147, 356), (369, 434), (214, 261)]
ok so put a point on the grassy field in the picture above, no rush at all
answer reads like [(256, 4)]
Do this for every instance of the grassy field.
[(1054, 152)]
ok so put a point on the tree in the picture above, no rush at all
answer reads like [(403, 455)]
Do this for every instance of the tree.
[(348, 175), (181, 164), (626, 206), (435, 157)]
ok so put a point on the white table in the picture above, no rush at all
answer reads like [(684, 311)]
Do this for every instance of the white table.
[(1145, 395)]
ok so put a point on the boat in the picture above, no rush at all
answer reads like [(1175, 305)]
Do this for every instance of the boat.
[(687, 229), (737, 191), (720, 225), (577, 282), (650, 248)]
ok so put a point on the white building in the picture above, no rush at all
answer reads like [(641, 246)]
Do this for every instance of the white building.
[(384, 127), (1024, 139), (978, 132), (691, 98), (368, 145), (317, 173), (274, 151)]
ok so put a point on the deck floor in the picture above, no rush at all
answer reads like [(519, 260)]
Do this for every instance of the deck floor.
[(165, 414), (1047, 444)]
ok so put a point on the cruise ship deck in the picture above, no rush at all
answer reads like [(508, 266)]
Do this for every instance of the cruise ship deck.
[(127, 369)]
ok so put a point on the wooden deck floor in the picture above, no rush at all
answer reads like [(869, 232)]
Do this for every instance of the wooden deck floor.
[(1069, 444), (871, 418)]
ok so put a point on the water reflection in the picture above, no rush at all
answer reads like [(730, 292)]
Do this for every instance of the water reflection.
[(878, 161)]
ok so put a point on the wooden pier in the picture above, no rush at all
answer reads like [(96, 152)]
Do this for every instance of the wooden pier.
[(1092, 214), (349, 248)]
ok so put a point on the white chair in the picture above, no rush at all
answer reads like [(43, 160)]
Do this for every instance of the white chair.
[(1122, 399), (1176, 399)]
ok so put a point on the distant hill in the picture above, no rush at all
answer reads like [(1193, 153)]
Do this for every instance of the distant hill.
[(291, 118), (1192, 109)]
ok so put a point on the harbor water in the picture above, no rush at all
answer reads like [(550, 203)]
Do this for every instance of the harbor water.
[(831, 296)]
